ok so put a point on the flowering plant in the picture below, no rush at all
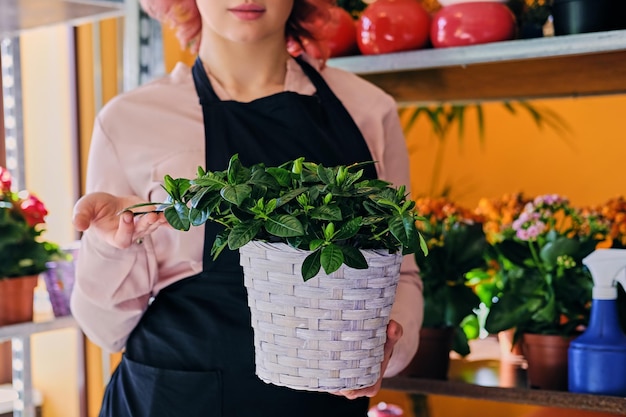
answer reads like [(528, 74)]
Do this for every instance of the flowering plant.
[(456, 244), (545, 287), (22, 215)]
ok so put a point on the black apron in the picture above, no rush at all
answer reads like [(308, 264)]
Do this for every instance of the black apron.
[(192, 353)]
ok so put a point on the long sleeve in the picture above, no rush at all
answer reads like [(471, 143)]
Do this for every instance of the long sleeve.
[(113, 285)]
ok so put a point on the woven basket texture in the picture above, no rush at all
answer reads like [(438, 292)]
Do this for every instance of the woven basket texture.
[(325, 334)]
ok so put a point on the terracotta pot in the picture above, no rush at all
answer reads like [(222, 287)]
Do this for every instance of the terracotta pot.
[(546, 356), (509, 352), (16, 299), (432, 359)]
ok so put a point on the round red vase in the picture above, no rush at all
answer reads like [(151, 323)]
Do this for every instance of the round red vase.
[(340, 33), (393, 25), (472, 23)]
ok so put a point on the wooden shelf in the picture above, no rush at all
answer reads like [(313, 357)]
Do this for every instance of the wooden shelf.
[(482, 375), (546, 398), (560, 66), (18, 16)]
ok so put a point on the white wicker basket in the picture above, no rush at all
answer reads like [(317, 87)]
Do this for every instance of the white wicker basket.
[(325, 334)]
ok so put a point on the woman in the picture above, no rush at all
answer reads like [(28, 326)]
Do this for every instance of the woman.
[(142, 287)]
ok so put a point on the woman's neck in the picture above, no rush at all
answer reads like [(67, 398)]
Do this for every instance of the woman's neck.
[(246, 72)]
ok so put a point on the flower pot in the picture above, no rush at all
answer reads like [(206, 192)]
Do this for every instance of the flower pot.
[(582, 16), (546, 356), (472, 23), (325, 334), (509, 351), (16, 299), (432, 359)]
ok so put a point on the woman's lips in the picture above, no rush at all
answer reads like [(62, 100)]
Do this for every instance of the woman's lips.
[(247, 11)]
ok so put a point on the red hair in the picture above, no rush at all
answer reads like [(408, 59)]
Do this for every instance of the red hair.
[(303, 26)]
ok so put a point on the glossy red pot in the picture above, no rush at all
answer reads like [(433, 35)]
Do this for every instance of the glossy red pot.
[(340, 33), (472, 23), (393, 25)]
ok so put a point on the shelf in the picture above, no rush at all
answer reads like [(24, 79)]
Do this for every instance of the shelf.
[(572, 65), (29, 328), (483, 376), (18, 16)]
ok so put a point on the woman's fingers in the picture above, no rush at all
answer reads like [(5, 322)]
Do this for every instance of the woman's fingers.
[(394, 333)]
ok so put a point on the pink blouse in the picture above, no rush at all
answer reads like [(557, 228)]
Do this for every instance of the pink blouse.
[(157, 129)]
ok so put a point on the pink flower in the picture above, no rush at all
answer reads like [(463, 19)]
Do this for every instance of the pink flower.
[(5, 180)]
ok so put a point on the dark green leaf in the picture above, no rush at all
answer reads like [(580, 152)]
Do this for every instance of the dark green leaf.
[(243, 233), (353, 257), (331, 259), (284, 225), (236, 194), (328, 212), (311, 265), (178, 216), (349, 229)]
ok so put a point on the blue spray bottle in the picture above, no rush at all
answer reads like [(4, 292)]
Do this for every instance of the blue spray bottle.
[(597, 358)]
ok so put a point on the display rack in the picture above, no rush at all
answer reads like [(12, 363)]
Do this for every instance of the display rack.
[(564, 66), (559, 66), (19, 16), (19, 335)]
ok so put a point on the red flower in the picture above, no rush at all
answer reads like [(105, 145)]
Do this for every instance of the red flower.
[(33, 210), (5, 180)]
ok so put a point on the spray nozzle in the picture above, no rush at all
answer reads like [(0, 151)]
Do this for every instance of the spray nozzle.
[(607, 267)]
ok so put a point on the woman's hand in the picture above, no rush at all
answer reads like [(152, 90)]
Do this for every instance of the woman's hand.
[(106, 215), (394, 333)]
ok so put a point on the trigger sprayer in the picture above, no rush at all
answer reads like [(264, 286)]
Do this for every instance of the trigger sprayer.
[(597, 358)]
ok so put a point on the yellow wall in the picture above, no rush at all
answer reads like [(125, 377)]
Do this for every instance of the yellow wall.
[(584, 164)]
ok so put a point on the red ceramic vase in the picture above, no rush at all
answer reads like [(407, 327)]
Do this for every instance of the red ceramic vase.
[(472, 23), (393, 25)]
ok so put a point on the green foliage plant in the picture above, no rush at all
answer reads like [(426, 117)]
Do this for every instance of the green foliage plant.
[(331, 212), (456, 245)]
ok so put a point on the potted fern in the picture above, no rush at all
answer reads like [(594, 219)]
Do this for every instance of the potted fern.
[(321, 249)]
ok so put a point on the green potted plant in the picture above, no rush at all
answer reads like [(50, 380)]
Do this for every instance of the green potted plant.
[(456, 245), (546, 291), (316, 243), (23, 254)]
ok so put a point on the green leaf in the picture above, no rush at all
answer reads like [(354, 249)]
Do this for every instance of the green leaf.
[(349, 229), (326, 212), (289, 195), (178, 216), (561, 246), (353, 257), (311, 265), (282, 176), (236, 172), (243, 233), (175, 188), (284, 225), (210, 182), (332, 258), (326, 175), (220, 243), (198, 217), (316, 243), (402, 227), (236, 194)]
